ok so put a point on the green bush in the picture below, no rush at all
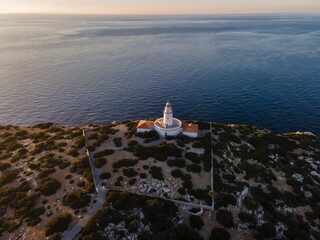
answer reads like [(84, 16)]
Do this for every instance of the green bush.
[(73, 152), (79, 142), (178, 162), (76, 199), (226, 137), (46, 172), (182, 191), (225, 218), (132, 143), (195, 222), (105, 175), (117, 142), (266, 230), (196, 168), (58, 224), (21, 133), (82, 166), (219, 234), (4, 166), (48, 186), (197, 145), (192, 157), (186, 177), (43, 125), (177, 173), (148, 136), (187, 184), (129, 172), (143, 175), (156, 172), (132, 181), (103, 153), (8, 176), (246, 217), (89, 187), (125, 163), (12, 146), (99, 162)]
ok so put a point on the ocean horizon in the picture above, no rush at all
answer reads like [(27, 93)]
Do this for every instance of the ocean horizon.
[(257, 69)]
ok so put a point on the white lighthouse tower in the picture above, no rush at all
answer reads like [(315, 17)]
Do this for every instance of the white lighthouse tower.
[(167, 115), (168, 126)]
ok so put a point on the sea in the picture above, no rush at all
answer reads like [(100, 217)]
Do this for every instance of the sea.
[(260, 70)]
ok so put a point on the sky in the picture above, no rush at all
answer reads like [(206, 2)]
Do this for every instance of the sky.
[(159, 6)]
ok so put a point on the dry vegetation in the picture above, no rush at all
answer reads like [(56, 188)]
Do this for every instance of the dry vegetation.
[(265, 185)]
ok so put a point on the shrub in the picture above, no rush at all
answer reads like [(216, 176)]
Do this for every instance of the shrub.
[(73, 152), (196, 168), (103, 153), (46, 172), (156, 172), (229, 137), (266, 230), (225, 218), (4, 166), (82, 166), (99, 162), (178, 162), (148, 136), (186, 177), (48, 186), (246, 217), (197, 145), (185, 232), (219, 234), (64, 164), (143, 175), (12, 146), (117, 142), (93, 136), (58, 224), (129, 172), (8, 177), (68, 176), (177, 173), (21, 133), (187, 184), (132, 181), (132, 143), (125, 163), (195, 222), (43, 125), (191, 156), (89, 187), (182, 191), (105, 175), (76, 199), (79, 142)]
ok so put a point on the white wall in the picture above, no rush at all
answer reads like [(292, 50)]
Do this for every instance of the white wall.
[(189, 134), (143, 130)]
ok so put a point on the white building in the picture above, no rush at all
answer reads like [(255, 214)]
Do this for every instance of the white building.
[(168, 125)]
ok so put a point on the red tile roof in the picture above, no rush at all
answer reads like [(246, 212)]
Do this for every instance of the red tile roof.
[(145, 124), (190, 127)]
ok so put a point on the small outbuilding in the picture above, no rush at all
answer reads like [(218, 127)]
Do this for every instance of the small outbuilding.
[(145, 126)]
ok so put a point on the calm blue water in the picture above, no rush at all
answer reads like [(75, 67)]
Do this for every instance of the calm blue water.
[(262, 70)]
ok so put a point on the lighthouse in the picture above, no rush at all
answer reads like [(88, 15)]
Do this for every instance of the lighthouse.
[(168, 126), (167, 115)]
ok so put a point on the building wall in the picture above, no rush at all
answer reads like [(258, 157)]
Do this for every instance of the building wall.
[(169, 132), (143, 130), (189, 134)]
